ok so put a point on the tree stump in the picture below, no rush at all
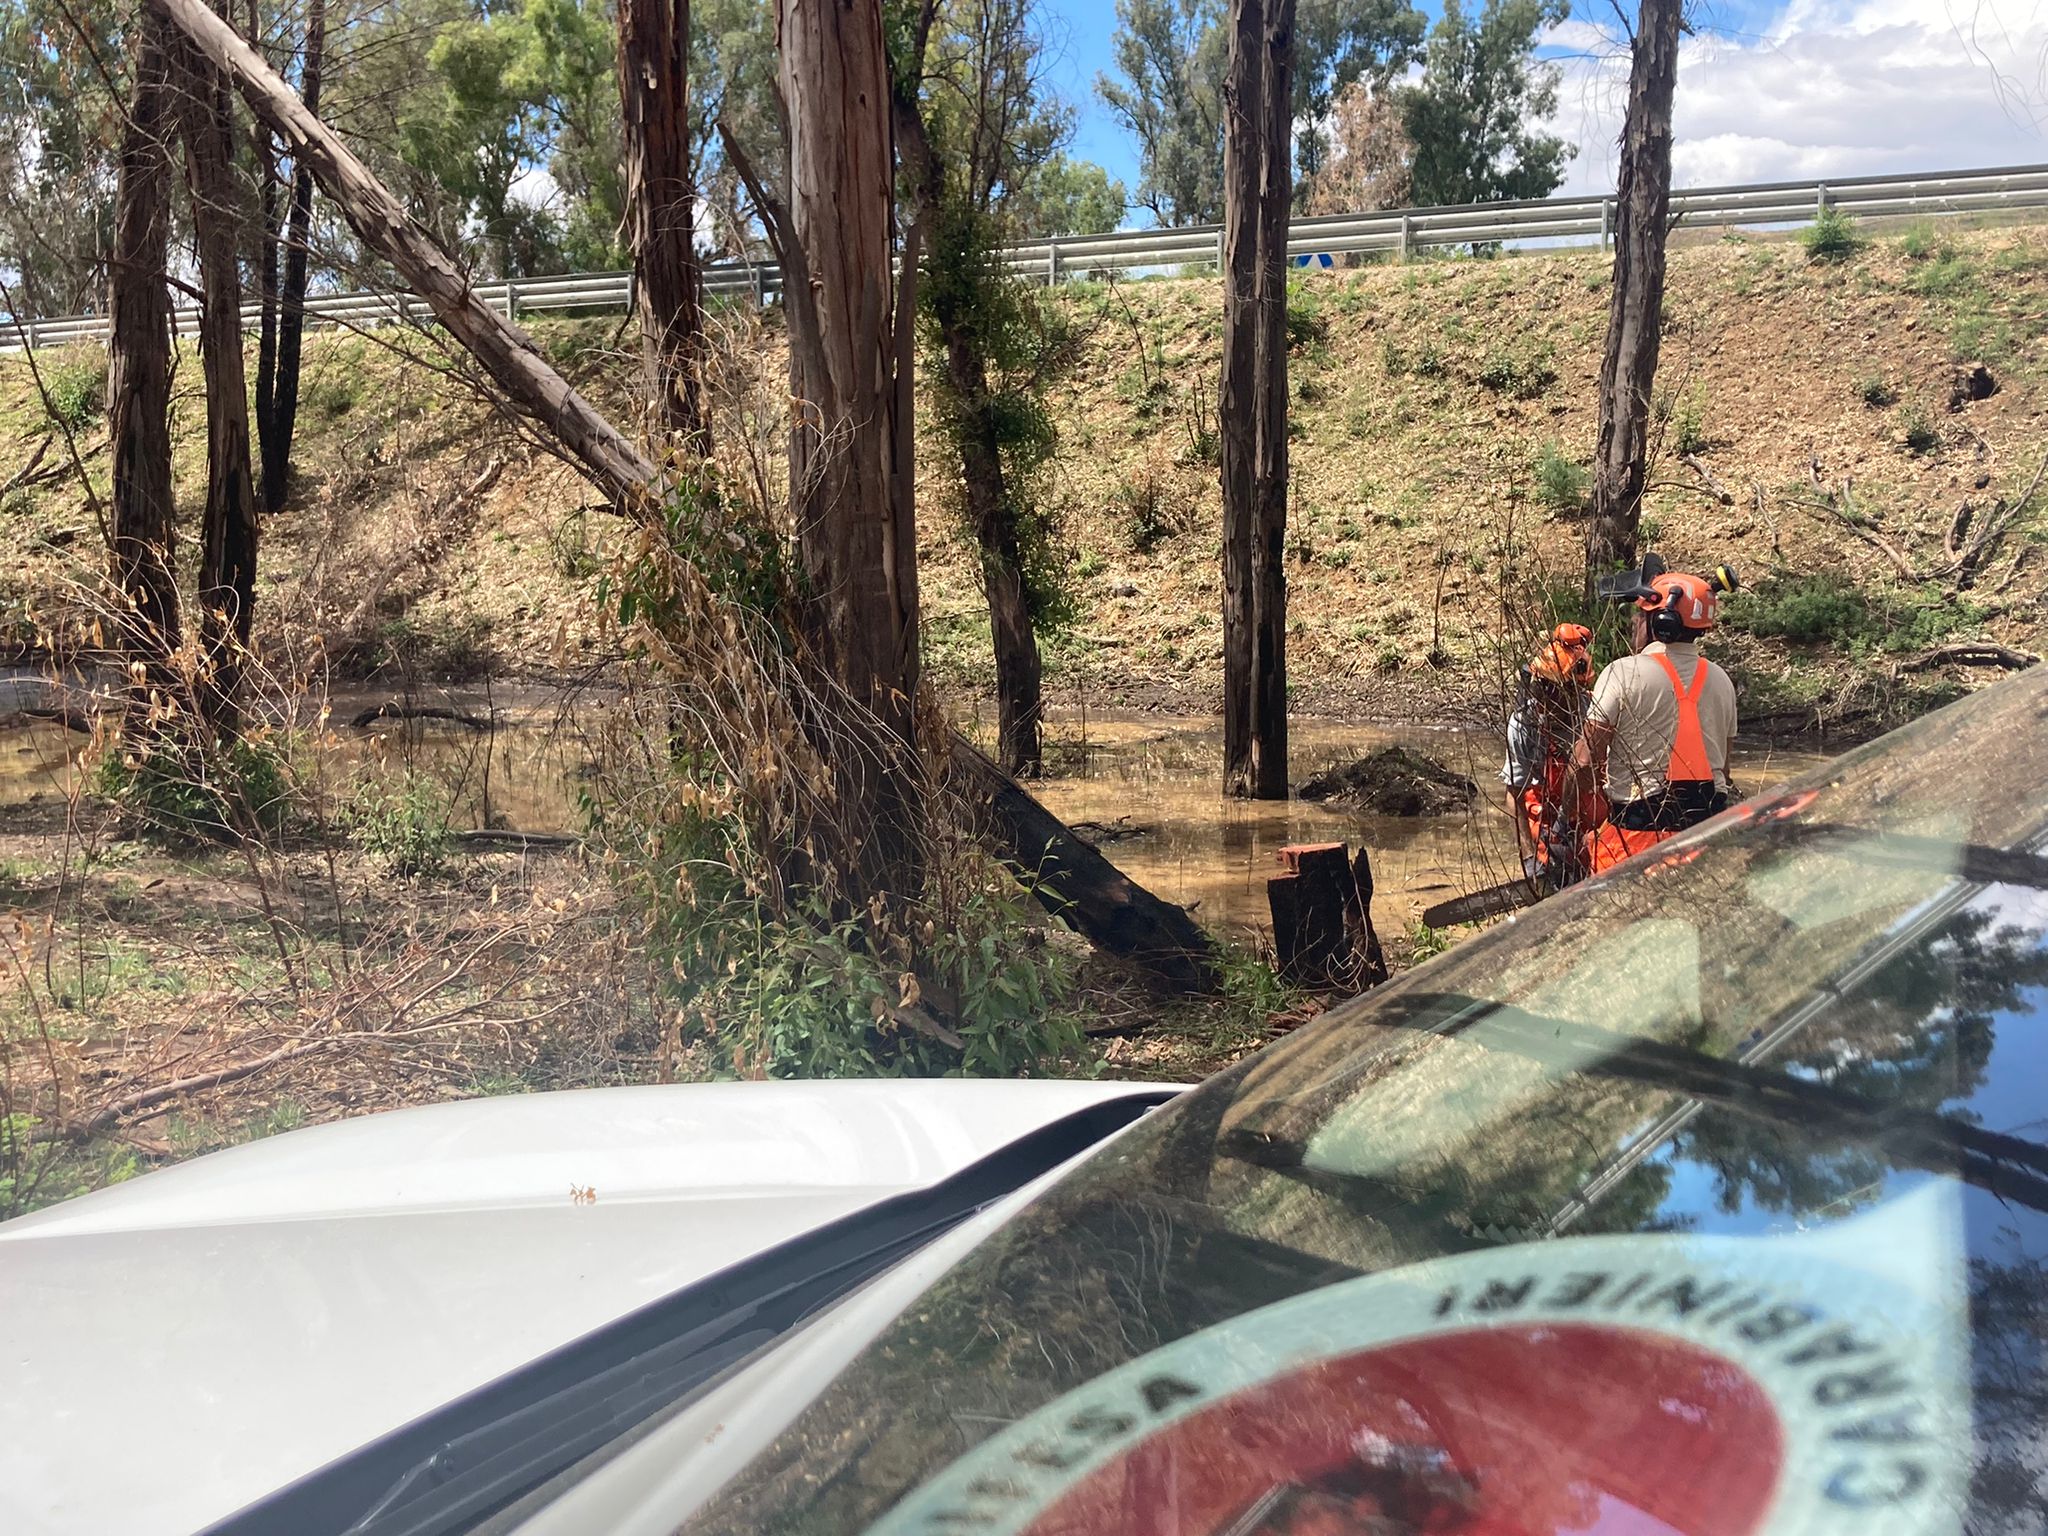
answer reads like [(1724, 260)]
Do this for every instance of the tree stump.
[(1322, 917)]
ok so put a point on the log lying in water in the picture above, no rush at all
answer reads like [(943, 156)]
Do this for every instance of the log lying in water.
[(1074, 882), (392, 710)]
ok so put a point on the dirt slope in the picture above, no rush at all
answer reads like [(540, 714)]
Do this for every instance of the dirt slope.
[(1441, 410)]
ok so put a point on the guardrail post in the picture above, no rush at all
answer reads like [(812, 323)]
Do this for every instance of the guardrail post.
[(759, 278), (1221, 256), (1052, 262), (1606, 222), (1823, 199), (511, 299), (31, 336), (1406, 230)]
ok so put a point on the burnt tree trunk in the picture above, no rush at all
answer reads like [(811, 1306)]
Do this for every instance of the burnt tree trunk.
[(654, 60), (227, 556), (1628, 371), (851, 483), (1019, 670), (1258, 186), (380, 220), (263, 144), (139, 381), (291, 319)]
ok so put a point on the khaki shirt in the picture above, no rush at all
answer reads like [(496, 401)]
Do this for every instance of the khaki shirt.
[(1634, 697)]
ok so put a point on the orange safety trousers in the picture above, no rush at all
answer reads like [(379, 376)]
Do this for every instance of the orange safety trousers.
[(1609, 844)]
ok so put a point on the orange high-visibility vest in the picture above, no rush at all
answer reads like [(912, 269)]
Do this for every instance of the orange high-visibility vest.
[(1689, 761)]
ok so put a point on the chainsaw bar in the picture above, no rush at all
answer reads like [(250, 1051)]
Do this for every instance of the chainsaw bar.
[(1491, 902)]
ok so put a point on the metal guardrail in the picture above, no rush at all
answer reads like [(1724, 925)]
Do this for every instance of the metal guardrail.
[(1399, 231)]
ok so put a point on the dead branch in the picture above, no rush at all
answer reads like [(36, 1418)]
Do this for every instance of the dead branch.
[(70, 719), (1720, 492), (1972, 653), (391, 709), (26, 473)]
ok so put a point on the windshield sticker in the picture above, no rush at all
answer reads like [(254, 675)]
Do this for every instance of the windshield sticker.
[(1630, 1386)]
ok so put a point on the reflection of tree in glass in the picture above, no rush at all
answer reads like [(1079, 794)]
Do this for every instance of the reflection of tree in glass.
[(2009, 1317), (1916, 1034)]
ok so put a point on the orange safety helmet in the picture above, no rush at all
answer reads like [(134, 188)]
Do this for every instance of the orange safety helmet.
[(1684, 601), (1567, 657)]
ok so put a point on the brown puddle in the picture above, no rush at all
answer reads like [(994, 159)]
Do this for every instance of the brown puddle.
[(1151, 780), (1159, 778)]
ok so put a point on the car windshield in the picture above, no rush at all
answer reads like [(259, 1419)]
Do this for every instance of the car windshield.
[(1705, 1198)]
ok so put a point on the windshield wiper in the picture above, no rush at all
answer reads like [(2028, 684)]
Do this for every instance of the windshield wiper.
[(462, 1462)]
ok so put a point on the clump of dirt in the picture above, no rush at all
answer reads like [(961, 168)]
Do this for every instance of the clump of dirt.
[(1393, 782)]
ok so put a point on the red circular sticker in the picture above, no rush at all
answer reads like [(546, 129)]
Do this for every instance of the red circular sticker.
[(1602, 1386), (1493, 1432)]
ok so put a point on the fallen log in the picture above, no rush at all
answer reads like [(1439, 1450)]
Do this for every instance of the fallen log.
[(1075, 882), (70, 719), (1976, 653), (392, 710), (1068, 875), (502, 837)]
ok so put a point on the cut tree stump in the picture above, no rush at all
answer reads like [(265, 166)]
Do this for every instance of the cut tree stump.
[(1322, 917)]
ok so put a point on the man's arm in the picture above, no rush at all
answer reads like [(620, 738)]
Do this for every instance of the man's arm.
[(1589, 758)]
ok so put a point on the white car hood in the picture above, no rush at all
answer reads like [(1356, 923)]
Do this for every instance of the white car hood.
[(183, 1344)]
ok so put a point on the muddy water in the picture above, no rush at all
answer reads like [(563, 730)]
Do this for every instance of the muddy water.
[(526, 772), (1158, 780), (1148, 783)]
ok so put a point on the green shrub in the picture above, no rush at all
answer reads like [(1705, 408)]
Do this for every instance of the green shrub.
[(1562, 484), (1688, 426), (812, 993), (76, 385), (185, 793), (1523, 372), (1947, 276), (1920, 434), (1831, 610), (1307, 326), (1922, 241), (1832, 236), (401, 822), (1142, 512), (1431, 361), (328, 394), (1876, 392)]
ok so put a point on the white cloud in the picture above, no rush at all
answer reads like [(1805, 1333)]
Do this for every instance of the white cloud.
[(1819, 88)]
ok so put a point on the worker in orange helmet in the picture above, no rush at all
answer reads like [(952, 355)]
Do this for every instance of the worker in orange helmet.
[(1661, 719), (1549, 713)]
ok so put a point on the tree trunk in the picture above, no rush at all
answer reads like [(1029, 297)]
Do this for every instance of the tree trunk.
[(1258, 183), (227, 557), (139, 380), (263, 143), (654, 67), (850, 489), (291, 321), (1077, 884), (1019, 671), (381, 222), (1628, 372)]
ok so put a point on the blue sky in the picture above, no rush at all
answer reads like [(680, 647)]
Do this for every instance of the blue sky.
[(1769, 90)]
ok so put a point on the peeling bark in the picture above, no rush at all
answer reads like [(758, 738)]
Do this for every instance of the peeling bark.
[(1628, 371), (1258, 188), (143, 554), (227, 553), (654, 60)]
